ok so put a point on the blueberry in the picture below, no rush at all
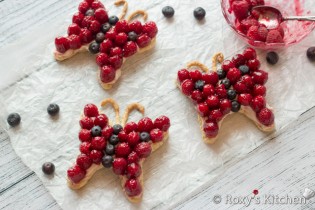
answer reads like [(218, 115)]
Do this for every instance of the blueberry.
[(96, 131), (48, 168), (221, 74), (105, 27), (53, 109), (226, 82), (144, 136), (235, 106), (272, 58), (231, 94), (94, 48), (244, 69), (110, 149), (107, 161), (199, 85), (311, 53), (114, 139), (89, 12), (100, 37), (14, 119), (113, 20), (199, 13), (132, 36), (117, 128), (168, 11)]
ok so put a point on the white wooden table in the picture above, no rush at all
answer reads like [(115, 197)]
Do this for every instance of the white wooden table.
[(285, 165)]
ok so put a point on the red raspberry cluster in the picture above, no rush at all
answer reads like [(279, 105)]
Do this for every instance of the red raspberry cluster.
[(116, 147), (238, 83), (247, 23)]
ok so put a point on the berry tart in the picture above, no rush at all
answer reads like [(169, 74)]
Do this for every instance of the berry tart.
[(111, 39), (123, 147), (237, 87)]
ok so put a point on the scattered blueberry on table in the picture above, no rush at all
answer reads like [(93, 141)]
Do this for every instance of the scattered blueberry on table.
[(311, 53), (272, 58), (168, 11), (53, 109), (14, 119), (48, 168), (199, 13)]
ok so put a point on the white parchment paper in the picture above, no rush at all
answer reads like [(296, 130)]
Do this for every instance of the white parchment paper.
[(184, 163)]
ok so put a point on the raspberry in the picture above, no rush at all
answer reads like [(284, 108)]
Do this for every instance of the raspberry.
[(227, 65), (115, 51), (96, 4), (281, 31), (86, 36), (240, 87), (86, 123), (156, 135), (247, 80), (183, 75), (133, 187), (208, 90), (247, 23), (274, 36), (122, 26), (90, 110), (211, 129), (95, 27), (196, 95), (225, 106), (129, 49), (136, 26), (253, 64), (107, 132), (203, 109), (122, 150), (244, 99), (74, 29), (238, 60), (119, 166), (163, 123), (211, 78), (133, 170), (76, 174), (111, 35), (101, 120), (106, 45), (195, 75), (259, 90), (101, 15), (258, 103), (265, 117), (98, 143), (62, 44), (215, 115), (83, 7), (116, 61), (121, 39), (233, 75), (133, 158), (143, 40), (131, 126), (86, 22), (240, 9), (85, 148), (145, 125), (262, 33), (85, 135), (143, 149), (89, 1), (123, 136), (249, 53), (187, 87), (96, 156), (77, 18), (150, 29), (102, 59), (84, 161), (260, 77), (213, 101), (74, 41), (133, 138), (221, 91)]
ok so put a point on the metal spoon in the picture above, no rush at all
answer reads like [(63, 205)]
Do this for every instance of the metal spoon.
[(271, 17)]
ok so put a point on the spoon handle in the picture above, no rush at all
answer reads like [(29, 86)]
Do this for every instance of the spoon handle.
[(308, 18)]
